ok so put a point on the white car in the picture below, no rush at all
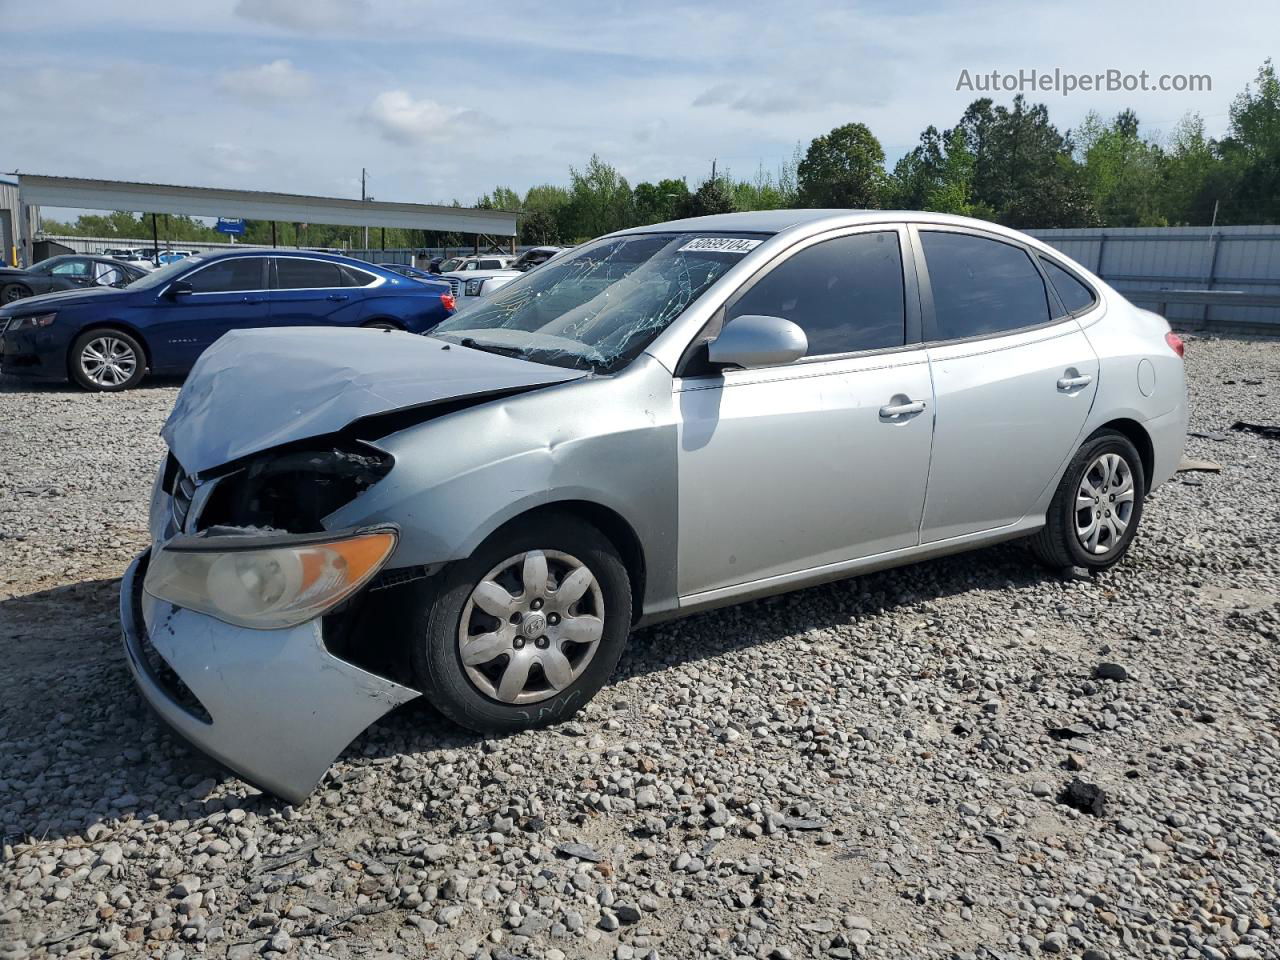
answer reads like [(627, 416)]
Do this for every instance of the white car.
[(473, 277)]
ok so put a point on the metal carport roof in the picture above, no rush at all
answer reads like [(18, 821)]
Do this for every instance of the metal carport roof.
[(258, 205)]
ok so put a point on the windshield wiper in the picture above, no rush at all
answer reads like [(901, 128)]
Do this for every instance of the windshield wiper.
[(473, 344)]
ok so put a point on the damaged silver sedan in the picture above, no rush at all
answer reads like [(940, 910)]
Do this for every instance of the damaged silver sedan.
[(665, 420)]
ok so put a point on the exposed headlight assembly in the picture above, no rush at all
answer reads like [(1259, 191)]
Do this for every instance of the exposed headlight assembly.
[(32, 320), (475, 286), (267, 582)]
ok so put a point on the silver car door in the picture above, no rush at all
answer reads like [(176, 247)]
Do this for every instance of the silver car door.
[(1013, 385), (787, 468)]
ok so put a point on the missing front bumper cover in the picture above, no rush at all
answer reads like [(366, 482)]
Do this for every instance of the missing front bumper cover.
[(281, 706)]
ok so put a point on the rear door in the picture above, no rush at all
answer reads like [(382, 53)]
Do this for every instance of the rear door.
[(309, 292), (1013, 380), (228, 294)]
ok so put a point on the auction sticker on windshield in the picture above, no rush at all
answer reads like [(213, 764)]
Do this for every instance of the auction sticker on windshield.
[(719, 245)]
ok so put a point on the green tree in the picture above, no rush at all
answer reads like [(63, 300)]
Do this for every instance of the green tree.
[(714, 196), (599, 200), (546, 215), (1193, 174), (843, 168), (1023, 171), (1123, 172), (1251, 152), (656, 202)]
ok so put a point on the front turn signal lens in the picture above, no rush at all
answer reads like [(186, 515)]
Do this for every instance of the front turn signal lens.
[(270, 584)]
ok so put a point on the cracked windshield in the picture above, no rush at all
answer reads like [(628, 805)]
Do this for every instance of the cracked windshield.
[(599, 307)]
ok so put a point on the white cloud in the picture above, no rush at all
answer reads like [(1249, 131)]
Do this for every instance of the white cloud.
[(305, 15), (277, 80), (403, 119)]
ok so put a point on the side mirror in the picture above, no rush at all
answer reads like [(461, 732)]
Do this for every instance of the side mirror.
[(756, 341), (179, 288)]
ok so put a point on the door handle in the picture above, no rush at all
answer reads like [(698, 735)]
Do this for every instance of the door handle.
[(909, 408), (253, 300), (337, 296), (1070, 383)]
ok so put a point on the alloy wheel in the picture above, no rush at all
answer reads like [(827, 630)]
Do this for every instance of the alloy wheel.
[(108, 361), (1104, 504), (531, 626)]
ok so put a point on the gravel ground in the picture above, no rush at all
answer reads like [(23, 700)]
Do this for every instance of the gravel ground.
[(878, 767)]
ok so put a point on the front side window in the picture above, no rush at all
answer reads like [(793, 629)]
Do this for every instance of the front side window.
[(71, 268), (981, 286), (1075, 296), (228, 276), (600, 306), (846, 294), (299, 274)]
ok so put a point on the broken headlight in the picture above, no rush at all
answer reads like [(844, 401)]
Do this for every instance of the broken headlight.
[(267, 582)]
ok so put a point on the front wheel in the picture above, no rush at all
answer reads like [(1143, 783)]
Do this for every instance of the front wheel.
[(1096, 509), (13, 292), (107, 360), (525, 631)]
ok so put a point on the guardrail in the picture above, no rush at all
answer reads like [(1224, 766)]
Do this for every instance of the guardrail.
[(1212, 298)]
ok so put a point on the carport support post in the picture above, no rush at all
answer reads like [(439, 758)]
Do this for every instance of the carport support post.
[(273, 233), (477, 244), (155, 237)]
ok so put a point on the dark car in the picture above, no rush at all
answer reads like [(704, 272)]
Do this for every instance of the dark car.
[(69, 272), (106, 339), (413, 273), (534, 257)]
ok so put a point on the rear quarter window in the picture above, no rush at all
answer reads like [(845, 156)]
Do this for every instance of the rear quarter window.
[(1074, 294)]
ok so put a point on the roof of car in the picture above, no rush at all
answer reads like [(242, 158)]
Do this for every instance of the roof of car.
[(775, 221)]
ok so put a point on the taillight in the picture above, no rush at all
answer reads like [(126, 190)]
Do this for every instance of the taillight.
[(451, 304), (1175, 343)]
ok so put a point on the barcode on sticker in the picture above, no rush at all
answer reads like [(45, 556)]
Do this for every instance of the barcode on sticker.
[(719, 245)]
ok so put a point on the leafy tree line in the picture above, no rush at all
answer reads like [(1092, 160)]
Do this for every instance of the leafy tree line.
[(1006, 163)]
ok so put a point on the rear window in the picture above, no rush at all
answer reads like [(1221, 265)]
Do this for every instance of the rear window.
[(298, 274)]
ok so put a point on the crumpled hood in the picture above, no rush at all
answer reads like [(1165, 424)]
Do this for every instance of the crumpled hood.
[(257, 389)]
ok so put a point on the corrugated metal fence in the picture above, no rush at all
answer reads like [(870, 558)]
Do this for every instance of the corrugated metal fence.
[(1132, 259)]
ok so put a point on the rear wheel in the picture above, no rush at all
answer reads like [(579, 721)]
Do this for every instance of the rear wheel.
[(107, 360), (1096, 509), (12, 292), (525, 631), (381, 325)]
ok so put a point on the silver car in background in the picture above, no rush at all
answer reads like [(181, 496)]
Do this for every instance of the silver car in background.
[(664, 420)]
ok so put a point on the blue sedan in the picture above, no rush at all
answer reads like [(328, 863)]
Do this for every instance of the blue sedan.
[(107, 339)]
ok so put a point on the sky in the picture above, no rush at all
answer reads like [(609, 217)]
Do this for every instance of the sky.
[(446, 100)]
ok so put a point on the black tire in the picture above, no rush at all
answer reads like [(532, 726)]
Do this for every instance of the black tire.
[(13, 292), (381, 325), (84, 373), (434, 627), (1058, 543)]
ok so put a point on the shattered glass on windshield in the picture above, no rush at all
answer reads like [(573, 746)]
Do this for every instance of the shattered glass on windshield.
[(599, 307)]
